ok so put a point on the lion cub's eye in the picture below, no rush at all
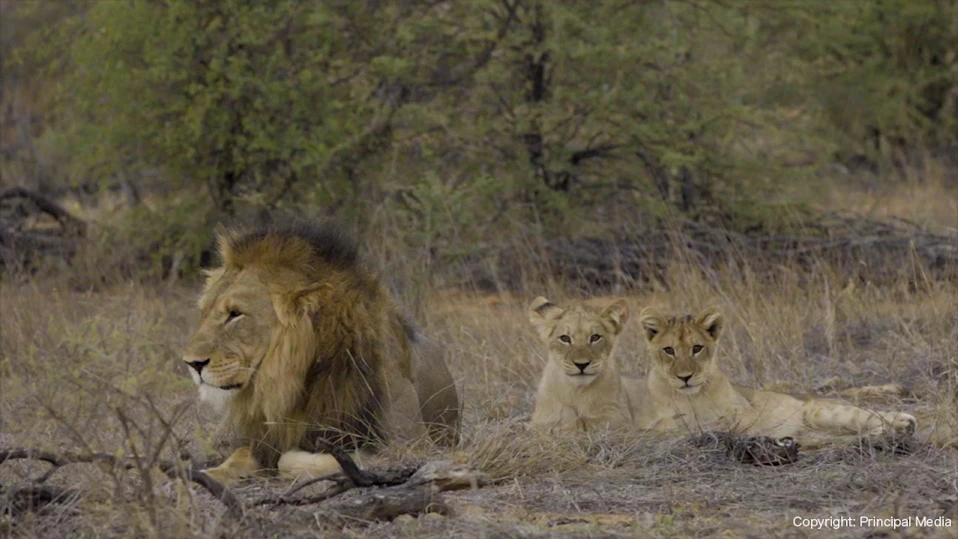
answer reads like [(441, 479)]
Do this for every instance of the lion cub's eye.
[(669, 350), (595, 338), (697, 348), (566, 339), (233, 315)]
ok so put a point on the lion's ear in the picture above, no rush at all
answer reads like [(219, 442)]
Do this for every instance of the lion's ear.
[(225, 238), (541, 310), (291, 306), (652, 322), (212, 276), (617, 314), (711, 321)]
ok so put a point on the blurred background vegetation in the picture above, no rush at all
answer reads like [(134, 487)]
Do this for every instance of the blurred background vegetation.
[(436, 129)]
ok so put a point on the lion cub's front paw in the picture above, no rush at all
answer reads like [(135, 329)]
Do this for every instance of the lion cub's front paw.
[(903, 424)]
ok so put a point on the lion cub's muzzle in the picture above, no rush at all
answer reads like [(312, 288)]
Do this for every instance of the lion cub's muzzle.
[(582, 370), (687, 384)]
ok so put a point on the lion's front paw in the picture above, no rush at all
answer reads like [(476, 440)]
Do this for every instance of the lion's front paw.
[(228, 475)]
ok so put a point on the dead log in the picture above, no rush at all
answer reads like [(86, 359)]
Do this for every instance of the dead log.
[(23, 236), (72, 226)]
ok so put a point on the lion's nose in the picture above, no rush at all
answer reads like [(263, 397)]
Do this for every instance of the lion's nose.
[(582, 366), (198, 365), (684, 378)]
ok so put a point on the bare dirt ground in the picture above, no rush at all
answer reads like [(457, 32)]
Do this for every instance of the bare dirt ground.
[(100, 372)]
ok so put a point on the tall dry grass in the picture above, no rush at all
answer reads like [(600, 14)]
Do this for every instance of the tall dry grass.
[(100, 371)]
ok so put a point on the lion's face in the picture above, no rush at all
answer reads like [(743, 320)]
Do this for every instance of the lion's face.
[(682, 348), (234, 334), (580, 339)]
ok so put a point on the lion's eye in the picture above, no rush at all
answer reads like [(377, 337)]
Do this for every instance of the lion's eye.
[(234, 314), (595, 338), (697, 348), (566, 339), (669, 350)]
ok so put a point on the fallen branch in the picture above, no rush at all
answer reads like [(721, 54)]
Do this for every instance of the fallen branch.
[(173, 470), (418, 495), (405, 490), (385, 504), (352, 476)]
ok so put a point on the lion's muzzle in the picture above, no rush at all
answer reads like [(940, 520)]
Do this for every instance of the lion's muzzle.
[(198, 366)]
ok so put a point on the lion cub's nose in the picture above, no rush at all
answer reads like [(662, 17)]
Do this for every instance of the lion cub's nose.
[(198, 365), (685, 378), (582, 366)]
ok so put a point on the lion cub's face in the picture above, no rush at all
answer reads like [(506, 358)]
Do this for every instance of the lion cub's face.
[(580, 339), (234, 334), (682, 348)]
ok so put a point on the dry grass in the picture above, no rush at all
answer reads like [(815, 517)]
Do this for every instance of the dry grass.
[(100, 372), (926, 195)]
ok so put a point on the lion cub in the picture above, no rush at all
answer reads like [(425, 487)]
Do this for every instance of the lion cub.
[(688, 391), (581, 386)]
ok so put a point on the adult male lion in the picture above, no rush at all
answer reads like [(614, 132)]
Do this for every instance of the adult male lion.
[(688, 391), (303, 347)]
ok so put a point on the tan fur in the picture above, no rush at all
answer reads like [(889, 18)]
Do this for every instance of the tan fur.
[(684, 346), (595, 395), (306, 348)]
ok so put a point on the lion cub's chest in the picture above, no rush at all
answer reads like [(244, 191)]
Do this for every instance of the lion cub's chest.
[(723, 410), (563, 406)]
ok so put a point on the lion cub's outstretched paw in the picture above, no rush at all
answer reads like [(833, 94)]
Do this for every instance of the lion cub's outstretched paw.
[(903, 424), (895, 423)]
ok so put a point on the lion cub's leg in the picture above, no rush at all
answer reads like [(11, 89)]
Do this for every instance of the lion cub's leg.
[(296, 464), (239, 466), (844, 418)]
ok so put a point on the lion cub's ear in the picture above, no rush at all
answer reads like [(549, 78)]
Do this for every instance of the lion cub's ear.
[(542, 310), (711, 321), (617, 314), (652, 322)]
